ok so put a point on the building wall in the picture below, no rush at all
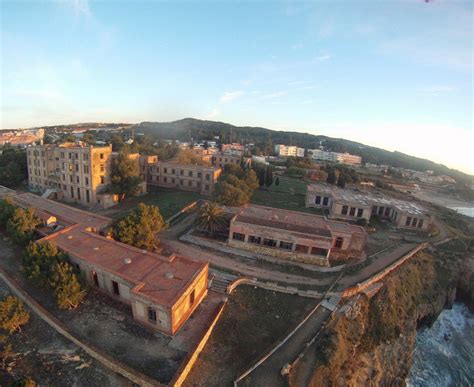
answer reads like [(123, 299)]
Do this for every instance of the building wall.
[(140, 306), (220, 160)]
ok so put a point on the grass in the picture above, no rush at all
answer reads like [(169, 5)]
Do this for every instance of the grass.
[(169, 201), (289, 194), (252, 322)]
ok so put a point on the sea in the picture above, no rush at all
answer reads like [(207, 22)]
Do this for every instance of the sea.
[(444, 353)]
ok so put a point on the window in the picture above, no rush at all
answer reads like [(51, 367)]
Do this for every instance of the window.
[(374, 210), (318, 251), (87, 180), (208, 177), (102, 168), (344, 210), (85, 156), (72, 192), (88, 199), (102, 180), (101, 156), (302, 249), (206, 187), (286, 245), (165, 180), (64, 177), (115, 287), (172, 171), (352, 211), (95, 279), (413, 223), (152, 315), (181, 173), (190, 173), (360, 212), (190, 183), (86, 169), (62, 155), (181, 182), (325, 201), (420, 223), (173, 180), (78, 194), (269, 242), (70, 178), (381, 210), (254, 239), (77, 179), (165, 170), (318, 200), (408, 221), (199, 174), (387, 211), (238, 236), (338, 242), (192, 297)]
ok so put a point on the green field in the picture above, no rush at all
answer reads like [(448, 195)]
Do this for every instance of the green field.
[(168, 200), (289, 194)]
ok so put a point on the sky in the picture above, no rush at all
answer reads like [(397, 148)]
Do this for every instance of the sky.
[(392, 74)]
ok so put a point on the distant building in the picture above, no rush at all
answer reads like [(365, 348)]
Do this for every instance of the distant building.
[(232, 147), (21, 137), (289, 151), (198, 178), (260, 160), (295, 236), (352, 204), (75, 172), (162, 291), (335, 157)]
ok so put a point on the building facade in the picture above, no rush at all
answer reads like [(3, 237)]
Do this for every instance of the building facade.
[(162, 291), (295, 236), (76, 172), (354, 205), (198, 178), (288, 151), (335, 157)]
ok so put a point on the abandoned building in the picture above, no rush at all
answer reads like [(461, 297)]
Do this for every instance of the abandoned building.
[(295, 236), (354, 205), (162, 291)]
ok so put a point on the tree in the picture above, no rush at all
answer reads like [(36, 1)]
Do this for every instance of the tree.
[(7, 209), (140, 227), (331, 179), (269, 176), (234, 169), (38, 260), (210, 217), (13, 167), (250, 178), (277, 181), (22, 225), (229, 195), (12, 314), (66, 286), (125, 174), (24, 382), (342, 180)]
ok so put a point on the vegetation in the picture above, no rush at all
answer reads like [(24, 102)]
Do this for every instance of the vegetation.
[(66, 286), (22, 224), (7, 208), (140, 227), (125, 174), (12, 314), (235, 186), (188, 157), (24, 382), (210, 217), (13, 167)]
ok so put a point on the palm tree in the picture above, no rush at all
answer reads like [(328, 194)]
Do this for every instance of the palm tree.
[(210, 217)]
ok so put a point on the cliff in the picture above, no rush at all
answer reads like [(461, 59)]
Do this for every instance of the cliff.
[(370, 341)]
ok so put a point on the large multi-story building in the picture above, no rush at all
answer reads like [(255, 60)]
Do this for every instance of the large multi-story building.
[(21, 137), (75, 172), (335, 157), (198, 178), (295, 236), (162, 291), (354, 205), (288, 151)]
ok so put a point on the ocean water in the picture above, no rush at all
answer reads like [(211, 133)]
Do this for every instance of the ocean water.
[(468, 211), (444, 353)]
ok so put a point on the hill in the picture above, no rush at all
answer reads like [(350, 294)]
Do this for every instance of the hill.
[(265, 138)]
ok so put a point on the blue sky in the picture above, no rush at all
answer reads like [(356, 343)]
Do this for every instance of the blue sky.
[(393, 74)]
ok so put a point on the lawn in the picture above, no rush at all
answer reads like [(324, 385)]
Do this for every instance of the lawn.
[(169, 201), (252, 322), (289, 194)]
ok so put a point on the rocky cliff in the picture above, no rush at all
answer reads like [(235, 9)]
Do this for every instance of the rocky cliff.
[(370, 341)]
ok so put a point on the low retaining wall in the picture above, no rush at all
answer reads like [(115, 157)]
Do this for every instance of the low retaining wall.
[(272, 286), (382, 274), (188, 363), (188, 208), (106, 360)]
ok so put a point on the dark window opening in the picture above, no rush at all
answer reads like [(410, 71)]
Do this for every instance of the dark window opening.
[(269, 242), (254, 239), (360, 212), (238, 236), (318, 199), (325, 201), (338, 242), (352, 211), (319, 251), (95, 278), (152, 315), (344, 210), (115, 286), (286, 245)]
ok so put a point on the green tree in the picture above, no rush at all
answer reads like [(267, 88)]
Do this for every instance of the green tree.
[(12, 314), (210, 217), (342, 180), (66, 286), (38, 260), (250, 178), (269, 176), (22, 225), (24, 382), (13, 167), (331, 179), (139, 229), (124, 174), (229, 195), (234, 169), (7, 209)]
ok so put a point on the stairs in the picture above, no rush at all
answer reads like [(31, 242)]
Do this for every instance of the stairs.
[(220, 280), (48, 193), (331, 303)]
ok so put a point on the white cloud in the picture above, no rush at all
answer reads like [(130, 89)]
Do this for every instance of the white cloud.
[(435, 91), (213, 114), (79, 7), (322, 58), (277, 94), (229, 96)]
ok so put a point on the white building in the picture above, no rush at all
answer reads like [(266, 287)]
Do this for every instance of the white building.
[(289, 151)]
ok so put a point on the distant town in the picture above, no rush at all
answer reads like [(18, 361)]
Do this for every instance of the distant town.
[(144, 251)]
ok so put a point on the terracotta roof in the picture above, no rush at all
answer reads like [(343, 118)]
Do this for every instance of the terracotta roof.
[(156, 277)]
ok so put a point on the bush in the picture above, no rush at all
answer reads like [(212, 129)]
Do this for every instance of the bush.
[(362, 222), (12, 314)]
